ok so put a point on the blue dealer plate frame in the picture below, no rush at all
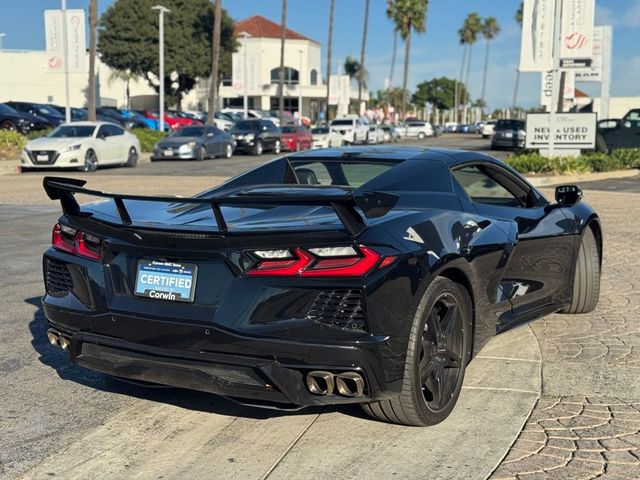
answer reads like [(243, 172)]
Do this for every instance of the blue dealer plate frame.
[(169, 281)]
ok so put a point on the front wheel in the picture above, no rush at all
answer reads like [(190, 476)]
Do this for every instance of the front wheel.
[(228, 151), (90, 162), (257, 149), (132, 158), (421, 136), (586, 280), (277, 147), (437, 354)]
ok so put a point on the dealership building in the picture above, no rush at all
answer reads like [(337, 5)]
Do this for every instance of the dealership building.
[(36, 76)]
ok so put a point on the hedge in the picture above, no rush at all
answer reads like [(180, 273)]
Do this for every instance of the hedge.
[(533, 162), (147, 138)]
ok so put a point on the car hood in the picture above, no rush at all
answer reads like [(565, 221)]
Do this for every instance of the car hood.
[(56, 144), (176, 142)]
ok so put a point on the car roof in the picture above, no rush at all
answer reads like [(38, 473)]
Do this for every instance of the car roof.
[(449, 157), (88, 124)]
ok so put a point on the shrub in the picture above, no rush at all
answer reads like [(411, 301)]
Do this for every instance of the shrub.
[(11, 144), (629, 157), (147, 138), (533, 162), (601, 162), (38, 133)]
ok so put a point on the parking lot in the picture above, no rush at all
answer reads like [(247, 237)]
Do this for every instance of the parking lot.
[(559, 398)]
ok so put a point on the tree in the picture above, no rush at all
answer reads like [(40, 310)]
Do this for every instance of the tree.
[(283, 29), (124, 76), (490, 29), (407, 16), (468, 34), (364, 44), (215, 62), (128, 40), (354, 69), (91, 94), (438, 91), (329, 42), (518, 18), (393, 57)]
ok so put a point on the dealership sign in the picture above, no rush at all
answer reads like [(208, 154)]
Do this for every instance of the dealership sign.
[(601, 41), (570, 131), (576, 47), (76, 40), (252, 78), (536, 48)]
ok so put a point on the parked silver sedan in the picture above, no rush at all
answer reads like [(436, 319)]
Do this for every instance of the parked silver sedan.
[(194, 142)]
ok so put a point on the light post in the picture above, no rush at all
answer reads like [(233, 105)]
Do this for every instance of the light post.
[(161, 11), (245, 104), (300, 89), (65, 54)]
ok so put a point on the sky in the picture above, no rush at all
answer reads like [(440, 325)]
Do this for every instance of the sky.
[(433, 54)]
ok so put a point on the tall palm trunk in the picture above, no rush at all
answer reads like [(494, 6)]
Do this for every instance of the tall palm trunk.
[(393, 57), (215, 60), (459, 84), (405, 78), (91, 97), (330, 41), (466, 82), (486, 69), (364, 44), (281, 74)]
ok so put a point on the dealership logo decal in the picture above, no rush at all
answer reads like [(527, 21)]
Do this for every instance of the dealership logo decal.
[(575, 40), (55, 63)]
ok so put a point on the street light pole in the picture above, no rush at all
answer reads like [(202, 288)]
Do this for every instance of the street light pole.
[(300, 89), (161, 11), (65, 54)]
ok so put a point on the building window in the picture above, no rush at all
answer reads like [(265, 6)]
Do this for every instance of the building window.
[(314, 77), (290, 76)]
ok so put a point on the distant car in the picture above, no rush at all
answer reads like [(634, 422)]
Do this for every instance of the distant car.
[(116, 116), (194, 142), (254, 114), (464, 128), (437, 130), (77, 114), (38, 110), (82, 145), (13, 120), (324, 137), (390, 134), (509, 134), (256, 136), (353, 130), (376, 135), (295, 138), (488, 128), (170, 124), (623, 133), (417, 129)]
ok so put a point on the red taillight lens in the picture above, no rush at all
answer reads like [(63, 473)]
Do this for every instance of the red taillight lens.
[(70, 240), (306, 264), (63, 240)]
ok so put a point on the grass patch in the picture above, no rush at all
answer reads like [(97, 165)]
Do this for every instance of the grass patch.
[(11, 144), (147, 137)]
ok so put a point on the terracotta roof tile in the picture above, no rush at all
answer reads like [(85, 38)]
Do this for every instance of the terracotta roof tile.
[(261, 27)]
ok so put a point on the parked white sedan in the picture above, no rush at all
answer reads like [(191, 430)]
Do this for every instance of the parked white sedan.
[(82, 145), (324, 137)]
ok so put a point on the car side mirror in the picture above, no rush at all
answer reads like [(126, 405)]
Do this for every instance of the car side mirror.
[(568, 195)]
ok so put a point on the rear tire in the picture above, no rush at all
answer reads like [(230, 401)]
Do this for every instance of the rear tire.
[(586, 281), (437, 354)]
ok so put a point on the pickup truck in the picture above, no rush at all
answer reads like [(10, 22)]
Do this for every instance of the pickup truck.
[(353, 130)]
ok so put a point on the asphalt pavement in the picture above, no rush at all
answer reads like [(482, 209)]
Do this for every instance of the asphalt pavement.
[(559, 398)]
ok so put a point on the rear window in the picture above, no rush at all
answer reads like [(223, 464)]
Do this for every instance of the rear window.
[(338, 173), (342, 122), (288, 129), (510, 124)]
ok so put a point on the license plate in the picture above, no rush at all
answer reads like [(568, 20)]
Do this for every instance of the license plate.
[(166, 280), (508, 135), (42, 158), (168, 153)]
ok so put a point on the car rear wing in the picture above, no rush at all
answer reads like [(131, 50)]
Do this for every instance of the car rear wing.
[(343, 201)]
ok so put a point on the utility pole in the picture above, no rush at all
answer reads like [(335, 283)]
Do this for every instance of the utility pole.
[(161, 11), (65, 54), (245, 99), (300, 89), (555, 94)]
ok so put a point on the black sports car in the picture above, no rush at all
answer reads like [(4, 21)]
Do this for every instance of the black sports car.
[(358, 275)]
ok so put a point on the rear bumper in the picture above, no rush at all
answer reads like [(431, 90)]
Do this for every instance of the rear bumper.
[(254, 370)]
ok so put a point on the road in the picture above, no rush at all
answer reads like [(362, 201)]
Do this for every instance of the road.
[(551, 387)]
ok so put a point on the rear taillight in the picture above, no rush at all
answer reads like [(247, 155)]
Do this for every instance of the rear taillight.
[(70, 240), (318, 262)]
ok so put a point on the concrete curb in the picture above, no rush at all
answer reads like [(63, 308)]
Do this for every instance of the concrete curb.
[(550, 180), (12, 167)]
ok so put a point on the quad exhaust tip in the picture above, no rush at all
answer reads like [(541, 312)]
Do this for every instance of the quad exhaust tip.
[(348, 384), (64, 342), (53, 337)]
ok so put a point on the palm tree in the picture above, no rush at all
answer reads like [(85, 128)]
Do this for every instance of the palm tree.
[(281, 73), (354, 69), (407, 15), (468, 36), (215, 60), (123, 76), (490, 29), (364, 44), (393, 57), (518, 18), (329, 55), (91, 96)]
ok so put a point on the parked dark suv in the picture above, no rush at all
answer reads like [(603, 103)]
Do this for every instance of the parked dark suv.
[(38, 110), (256, 136), (508, 134)]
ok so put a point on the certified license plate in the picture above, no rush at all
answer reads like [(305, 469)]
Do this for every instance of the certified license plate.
[(42, 158), (168, 153), (166, 280)]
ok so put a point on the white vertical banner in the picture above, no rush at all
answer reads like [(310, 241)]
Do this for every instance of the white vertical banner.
[(576, 32), (76, 40), (569, 86), (594, 73), (536, 47), (238, 75), (546, 89), (334, 88)]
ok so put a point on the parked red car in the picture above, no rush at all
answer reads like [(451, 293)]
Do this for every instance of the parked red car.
[(173, 124), (295, 137)]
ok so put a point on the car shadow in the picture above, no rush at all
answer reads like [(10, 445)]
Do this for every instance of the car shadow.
[(58, 360)]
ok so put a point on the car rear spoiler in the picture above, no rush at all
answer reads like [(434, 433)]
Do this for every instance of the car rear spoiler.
[(343, 201)]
